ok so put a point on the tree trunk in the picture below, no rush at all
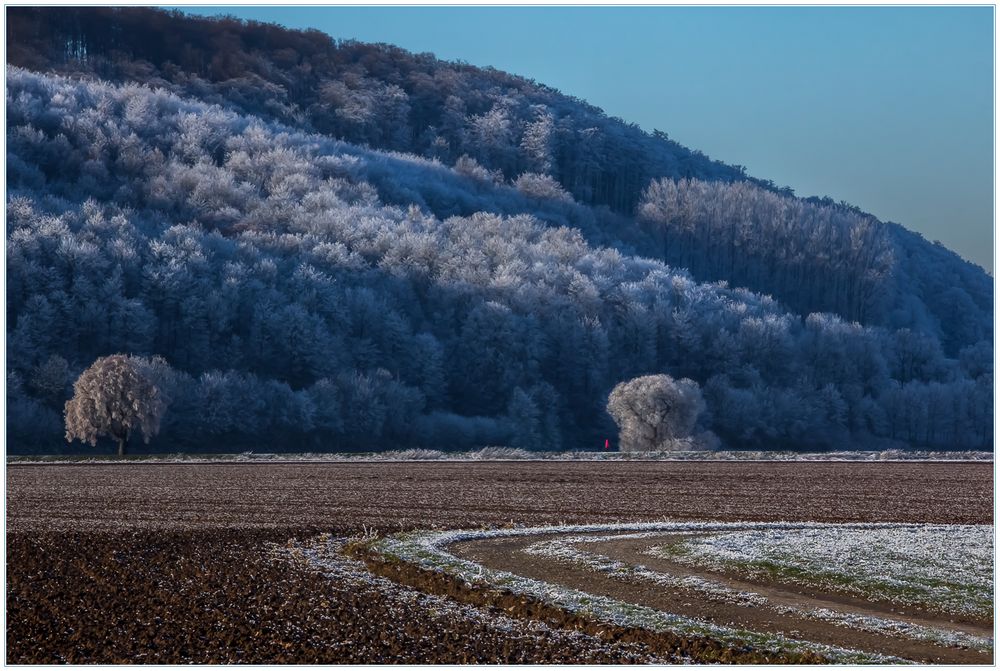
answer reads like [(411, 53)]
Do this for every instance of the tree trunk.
[(121, 447)]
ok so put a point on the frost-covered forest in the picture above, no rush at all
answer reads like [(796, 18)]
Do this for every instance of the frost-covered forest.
[(346, 246)]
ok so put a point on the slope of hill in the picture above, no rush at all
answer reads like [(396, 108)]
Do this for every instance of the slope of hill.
[(374, 94), (300, 291), (812, 255)]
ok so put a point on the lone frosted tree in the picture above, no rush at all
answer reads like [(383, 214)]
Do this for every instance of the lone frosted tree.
[(655, 412), (114, 398)]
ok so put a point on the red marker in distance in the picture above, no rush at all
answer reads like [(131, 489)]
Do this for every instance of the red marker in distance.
[(606, 445)]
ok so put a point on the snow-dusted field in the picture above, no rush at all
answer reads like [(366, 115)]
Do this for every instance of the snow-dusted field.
[(946, 568), (888, 559), (194, 534), (324, 554), (516, 454), (571, 550), (427, 549)]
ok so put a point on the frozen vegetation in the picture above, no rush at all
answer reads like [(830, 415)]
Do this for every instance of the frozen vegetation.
[(516, 454), (944, 568), (567, 549), (324, 554), (427, 549), (319, 246)]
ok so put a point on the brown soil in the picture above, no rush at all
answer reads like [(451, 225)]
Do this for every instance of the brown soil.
[(667, 645), (166, 563), (414, 495), (506, 554), (218, 597)]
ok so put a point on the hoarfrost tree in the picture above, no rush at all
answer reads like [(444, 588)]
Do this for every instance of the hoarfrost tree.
[(538, 140), (535, 185), (524, 418), (655, 412), (114, 398), (51, 379)]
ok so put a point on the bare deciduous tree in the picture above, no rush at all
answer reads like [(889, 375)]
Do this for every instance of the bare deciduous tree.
[(114, 398), (655, 412)]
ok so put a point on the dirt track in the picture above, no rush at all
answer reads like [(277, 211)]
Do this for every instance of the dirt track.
[(507, 554), (141, 562)]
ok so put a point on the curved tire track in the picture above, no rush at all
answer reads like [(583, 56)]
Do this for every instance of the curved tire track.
[(508, 554)]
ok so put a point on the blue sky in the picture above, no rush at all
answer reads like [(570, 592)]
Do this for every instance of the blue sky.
[(888, 108)]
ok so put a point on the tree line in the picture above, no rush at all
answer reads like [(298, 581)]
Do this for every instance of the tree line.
[(291, 291)]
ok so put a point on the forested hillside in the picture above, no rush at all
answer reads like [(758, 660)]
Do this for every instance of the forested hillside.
[(300, 292), (812, 255), (374, 94)]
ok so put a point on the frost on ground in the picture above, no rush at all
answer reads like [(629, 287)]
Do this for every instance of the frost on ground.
[(943, 568), (567, 549), (425, 549), (517, 454), (324, 554)]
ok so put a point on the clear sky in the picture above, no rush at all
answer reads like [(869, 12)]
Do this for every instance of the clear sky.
[(888, 108)]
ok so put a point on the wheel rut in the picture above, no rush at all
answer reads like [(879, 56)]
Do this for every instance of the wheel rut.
[(634, 551), (508, 554)]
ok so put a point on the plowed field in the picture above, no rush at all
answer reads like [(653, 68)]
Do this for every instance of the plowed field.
[(175, 563)]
